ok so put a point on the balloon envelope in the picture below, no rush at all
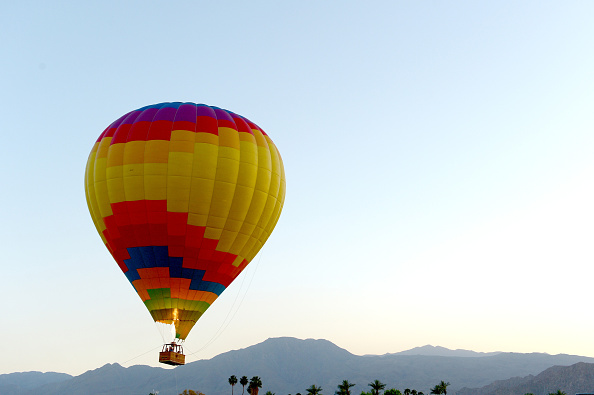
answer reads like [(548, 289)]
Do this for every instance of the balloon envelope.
[(184, 196)]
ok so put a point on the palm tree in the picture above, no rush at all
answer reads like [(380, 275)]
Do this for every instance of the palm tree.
[(444, 387), (232, 381), (436, 390), (376, 387), (407, 391), (243, 381), (559, 392), (255, 385), (313, 390), (344, 388), (413, 392)]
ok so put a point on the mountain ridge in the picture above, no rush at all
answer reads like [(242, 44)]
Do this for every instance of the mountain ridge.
[(289, 365), (13, 383), (444, 352), (573, 379)]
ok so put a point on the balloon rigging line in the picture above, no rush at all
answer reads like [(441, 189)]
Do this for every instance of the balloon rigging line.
[(221, 329), (226, 324), (159, 331), (216, 334), (113, 365), (223, 326), (138, 356), (175, 375)]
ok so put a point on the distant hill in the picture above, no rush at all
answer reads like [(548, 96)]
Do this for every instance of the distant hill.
[(17, 383), (574, 379), (444, 352), (289, 365)]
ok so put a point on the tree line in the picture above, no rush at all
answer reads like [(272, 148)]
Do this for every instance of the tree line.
[(255, 383), (344, 388)]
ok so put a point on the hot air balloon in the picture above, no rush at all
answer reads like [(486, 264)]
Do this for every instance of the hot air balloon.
[(184, 196)]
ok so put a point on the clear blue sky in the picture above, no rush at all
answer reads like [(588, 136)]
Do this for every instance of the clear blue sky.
[(440, 175)]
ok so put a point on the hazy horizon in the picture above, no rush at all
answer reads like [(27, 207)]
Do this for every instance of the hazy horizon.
[(429, 350)]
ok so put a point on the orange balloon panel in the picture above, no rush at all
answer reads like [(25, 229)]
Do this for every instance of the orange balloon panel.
[(184, 196)]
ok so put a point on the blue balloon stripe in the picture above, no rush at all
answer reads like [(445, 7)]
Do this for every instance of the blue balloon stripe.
[(158, 256)]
